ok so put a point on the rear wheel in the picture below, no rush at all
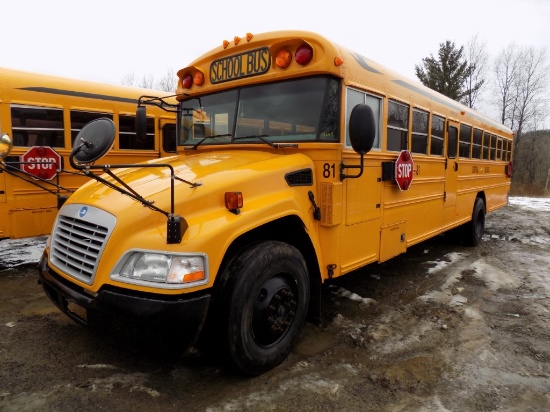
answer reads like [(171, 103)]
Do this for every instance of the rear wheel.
[(266, 306), (473, 230)]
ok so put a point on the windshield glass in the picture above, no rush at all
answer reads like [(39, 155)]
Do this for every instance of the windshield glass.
[(302, 110)]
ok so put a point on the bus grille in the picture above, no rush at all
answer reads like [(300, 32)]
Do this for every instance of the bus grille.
[(76, 247)]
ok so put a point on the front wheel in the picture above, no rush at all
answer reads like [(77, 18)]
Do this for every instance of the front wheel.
[(267, 305)]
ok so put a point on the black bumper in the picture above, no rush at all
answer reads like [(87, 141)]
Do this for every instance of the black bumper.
[(117, 310)]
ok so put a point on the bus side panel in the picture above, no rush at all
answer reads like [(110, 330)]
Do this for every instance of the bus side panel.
[(421, 206), (361, 228), (31, 212)]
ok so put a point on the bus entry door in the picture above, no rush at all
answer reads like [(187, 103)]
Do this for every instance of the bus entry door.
[(451, 172)]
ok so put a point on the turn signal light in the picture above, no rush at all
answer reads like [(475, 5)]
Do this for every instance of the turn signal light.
[(233, 200), (198, 78), (283, 59)]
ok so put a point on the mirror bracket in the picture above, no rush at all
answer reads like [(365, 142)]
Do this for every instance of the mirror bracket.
[(359, 166)]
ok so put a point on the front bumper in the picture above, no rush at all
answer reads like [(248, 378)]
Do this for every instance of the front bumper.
[(116, 310)]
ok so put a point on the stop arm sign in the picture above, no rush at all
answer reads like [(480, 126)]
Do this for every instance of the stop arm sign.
[(41, 162), (404, 169)]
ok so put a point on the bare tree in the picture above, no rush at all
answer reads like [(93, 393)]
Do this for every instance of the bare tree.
[(478, 58), (532, 89), (521, 76), (168, 81), (129, 79), (506, 72), (146, 81)]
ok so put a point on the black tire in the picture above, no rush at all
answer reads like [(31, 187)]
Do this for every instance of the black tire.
[(473, 230), (266, 306)]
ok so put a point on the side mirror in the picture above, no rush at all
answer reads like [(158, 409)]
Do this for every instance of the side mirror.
[(362, 128), (92, 142), (5, 146), (141, 123)]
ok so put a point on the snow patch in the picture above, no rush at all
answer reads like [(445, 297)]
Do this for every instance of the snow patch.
[(493, 277)]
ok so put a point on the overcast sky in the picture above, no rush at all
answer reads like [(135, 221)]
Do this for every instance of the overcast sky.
[(104, 40)]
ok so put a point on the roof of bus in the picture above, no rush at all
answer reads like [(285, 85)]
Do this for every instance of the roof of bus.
[(11, 79), (357, 71)]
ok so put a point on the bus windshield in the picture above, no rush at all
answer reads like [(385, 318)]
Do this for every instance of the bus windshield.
[(302, 110)]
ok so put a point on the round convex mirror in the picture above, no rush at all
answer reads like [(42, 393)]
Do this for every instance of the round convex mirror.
[(94, 140)]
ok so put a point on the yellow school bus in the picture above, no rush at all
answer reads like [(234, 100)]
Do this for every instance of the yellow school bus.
[(300, 161), (42, 115)]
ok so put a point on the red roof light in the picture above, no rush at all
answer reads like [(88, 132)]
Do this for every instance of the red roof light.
[(304, 54), (187, 81)]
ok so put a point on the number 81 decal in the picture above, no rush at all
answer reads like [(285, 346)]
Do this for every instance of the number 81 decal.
[(329, 170)]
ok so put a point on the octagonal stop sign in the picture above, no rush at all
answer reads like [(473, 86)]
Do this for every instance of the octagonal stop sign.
[(404, 167), (42, 162)]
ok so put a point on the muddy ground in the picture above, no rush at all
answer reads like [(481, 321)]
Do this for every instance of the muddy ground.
[(442, 328)]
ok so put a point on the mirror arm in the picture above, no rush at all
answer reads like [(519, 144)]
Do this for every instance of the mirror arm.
[(344, 166), (158, 102)]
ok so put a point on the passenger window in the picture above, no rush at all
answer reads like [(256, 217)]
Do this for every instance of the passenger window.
[(169, 137), (398, 127), (476, 147), (493, 147), (499, 148), (465, 141), (37, 126), (127, 134), (355, 97), (437, 137), (420, 132), (486, 145), (80, 118)]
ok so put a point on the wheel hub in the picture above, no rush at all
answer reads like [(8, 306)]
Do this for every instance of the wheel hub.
[(274, 311)]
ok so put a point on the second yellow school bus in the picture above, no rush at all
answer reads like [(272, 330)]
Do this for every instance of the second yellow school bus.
[(303, 161), (43, 114)]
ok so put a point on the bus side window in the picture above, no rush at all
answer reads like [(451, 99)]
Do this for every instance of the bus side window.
[(398, 127), (80, 117), (438, 136), (355, 97), (476, 147), (38, 126), (465, 141), (493, 147), (486, 145), (169, 138), (508, 146), (499, 149), (128, 137), (419, 132)]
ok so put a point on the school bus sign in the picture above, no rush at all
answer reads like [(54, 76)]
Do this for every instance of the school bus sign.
[(42, 162), (404, 168)]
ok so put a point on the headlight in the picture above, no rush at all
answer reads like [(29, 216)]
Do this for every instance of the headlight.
[(166, 270)]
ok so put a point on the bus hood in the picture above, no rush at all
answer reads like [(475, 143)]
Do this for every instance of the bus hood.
[(206, 173)]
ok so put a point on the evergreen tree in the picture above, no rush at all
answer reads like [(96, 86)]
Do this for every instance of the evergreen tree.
[(448, 74)]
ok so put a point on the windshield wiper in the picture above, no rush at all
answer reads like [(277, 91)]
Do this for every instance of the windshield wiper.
[(256, 136), (262, 136), (209, 137)]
